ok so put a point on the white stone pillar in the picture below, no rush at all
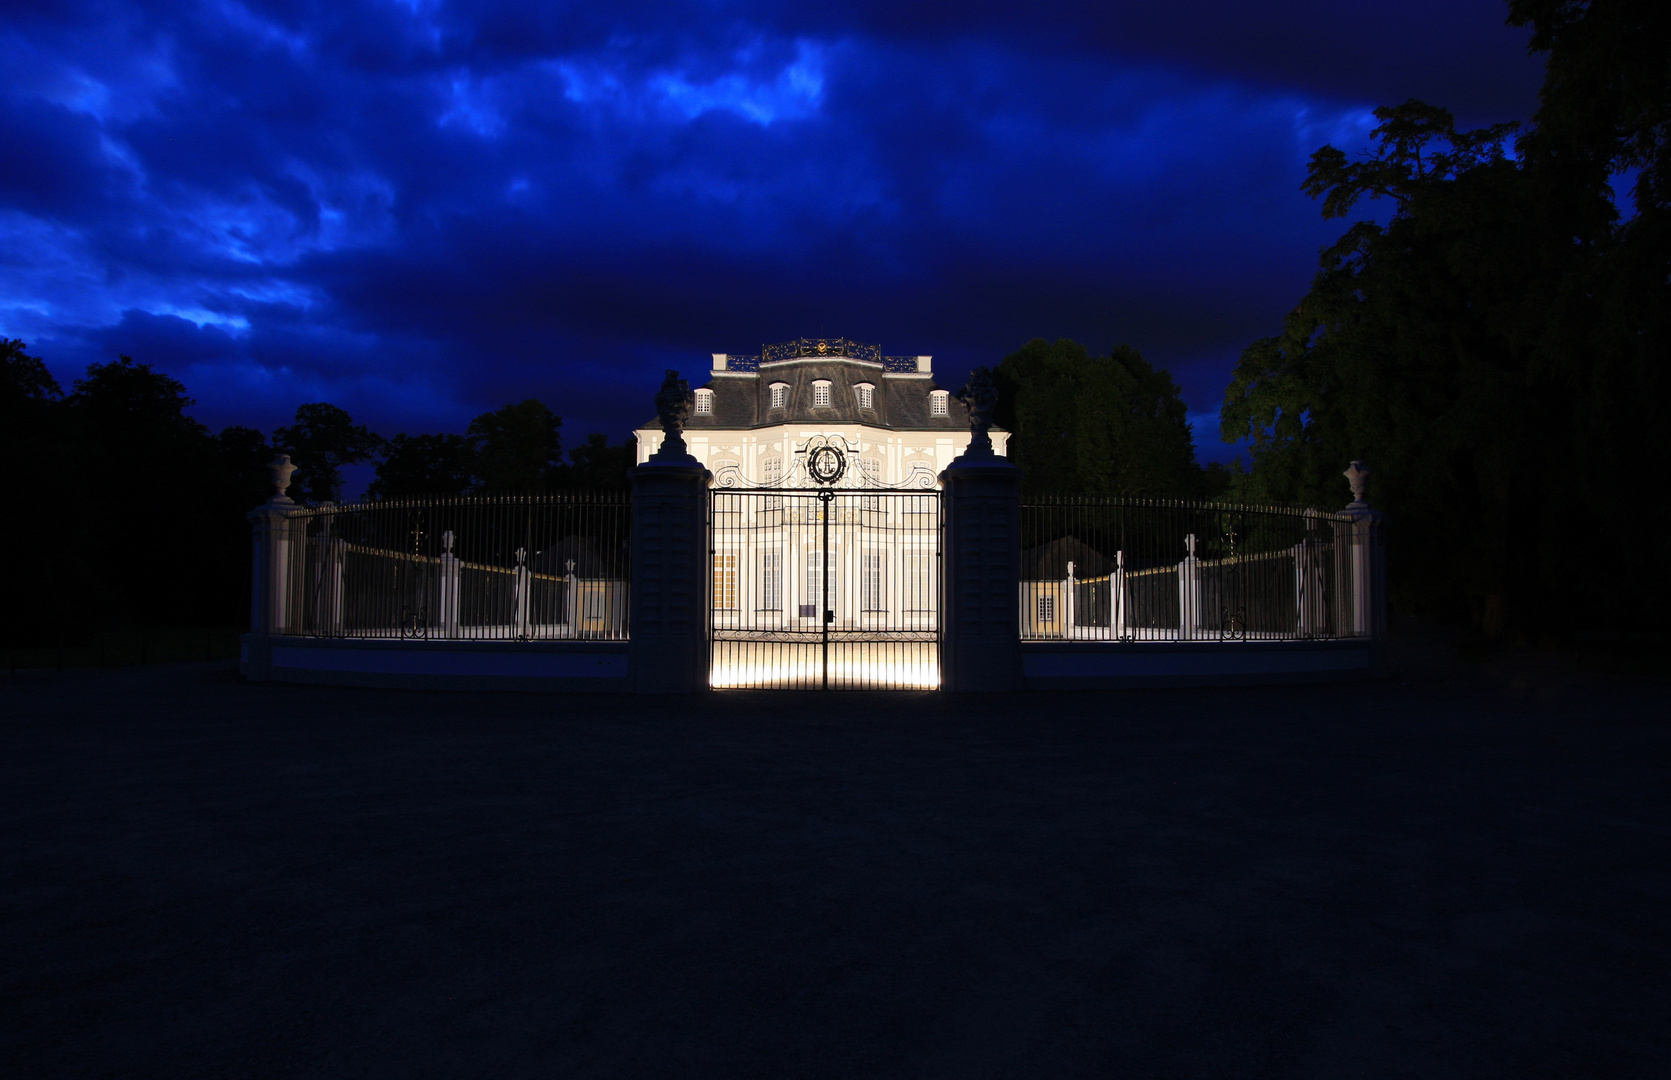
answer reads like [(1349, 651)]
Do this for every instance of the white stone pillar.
[(272, 531), (1366, 563), (325, 581), (519, 597), (449, 586), (1117, 596), (1068, 610), (330, 555), (1189, 593), (571, 600), (1310, 616)]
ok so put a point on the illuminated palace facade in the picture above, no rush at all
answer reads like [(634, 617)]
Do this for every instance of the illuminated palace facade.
[(754, 419), (872, 432)]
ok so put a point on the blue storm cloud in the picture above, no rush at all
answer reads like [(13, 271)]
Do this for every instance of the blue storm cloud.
[(421, 210)]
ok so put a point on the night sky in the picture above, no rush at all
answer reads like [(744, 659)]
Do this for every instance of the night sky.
[(423, 210)]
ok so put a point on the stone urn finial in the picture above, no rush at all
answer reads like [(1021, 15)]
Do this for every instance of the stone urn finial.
[(281, 469), (979, 395), (1357, 474), (673, 404)]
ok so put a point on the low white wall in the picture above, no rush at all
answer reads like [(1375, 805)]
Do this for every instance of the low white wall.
[(1112, 665), (441, 665)]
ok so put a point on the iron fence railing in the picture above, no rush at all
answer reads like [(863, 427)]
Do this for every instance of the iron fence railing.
[(1128, 570), (518, 567)]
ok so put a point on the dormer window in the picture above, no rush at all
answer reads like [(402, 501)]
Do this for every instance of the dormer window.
[(780, 395), (704, 402), (866, 393), (821, 394), (937, 403)]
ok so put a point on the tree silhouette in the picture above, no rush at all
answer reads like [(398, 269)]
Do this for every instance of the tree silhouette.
[(1499, 350), (517, 448), (1096, 425), (321, 441)]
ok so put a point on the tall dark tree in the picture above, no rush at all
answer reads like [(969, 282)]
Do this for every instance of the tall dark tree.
[(1095, 425), (517, 448), (1411, 350), (1498, 349), (40, 505), (322, 440), (24, 379), (424, 465), (30, 425), (244, 457), (152, 528), (597, 464)]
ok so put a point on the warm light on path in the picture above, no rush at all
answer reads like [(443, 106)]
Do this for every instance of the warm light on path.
[(881, 665)]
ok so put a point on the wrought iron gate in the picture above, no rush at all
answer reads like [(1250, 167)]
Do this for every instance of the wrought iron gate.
[(825, 588)]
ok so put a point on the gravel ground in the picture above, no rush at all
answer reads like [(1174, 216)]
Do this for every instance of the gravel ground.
[(1460, 871)]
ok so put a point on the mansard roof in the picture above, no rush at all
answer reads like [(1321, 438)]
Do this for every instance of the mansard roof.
[(900, 399)]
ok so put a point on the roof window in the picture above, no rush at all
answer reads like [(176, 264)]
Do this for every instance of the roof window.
[(704, 402), (937, 402), (866, 394), (821, 394), (780, 395)]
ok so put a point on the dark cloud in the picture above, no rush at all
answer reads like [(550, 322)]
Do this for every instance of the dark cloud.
[(421, 211)]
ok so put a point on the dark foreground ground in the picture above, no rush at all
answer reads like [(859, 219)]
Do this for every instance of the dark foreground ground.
[(1461, 872)]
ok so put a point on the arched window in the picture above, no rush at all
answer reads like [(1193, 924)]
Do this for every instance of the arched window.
[(704, 402), (780, 395), (821, 394), (866, 393), (937, 402)]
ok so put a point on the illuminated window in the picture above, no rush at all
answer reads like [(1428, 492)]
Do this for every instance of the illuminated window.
[(867, 395), (780, 395), (820, 394), (704, 402), (1047, 609), (725, 582), (937, 403), (771, 475), (771, 581), (815, 584), (919, 582), (870, 581), (594, 604)]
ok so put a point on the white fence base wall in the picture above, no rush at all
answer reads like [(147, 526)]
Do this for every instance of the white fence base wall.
[(440, 665), (1074, 666)]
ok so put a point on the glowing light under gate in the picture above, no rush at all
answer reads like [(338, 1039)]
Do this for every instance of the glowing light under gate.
[(783, 664)]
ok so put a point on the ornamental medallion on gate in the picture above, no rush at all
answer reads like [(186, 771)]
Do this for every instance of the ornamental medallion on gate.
[(827, 576)]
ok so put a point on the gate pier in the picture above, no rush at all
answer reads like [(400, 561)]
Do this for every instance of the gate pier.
[(669, 653), (980, 649)]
